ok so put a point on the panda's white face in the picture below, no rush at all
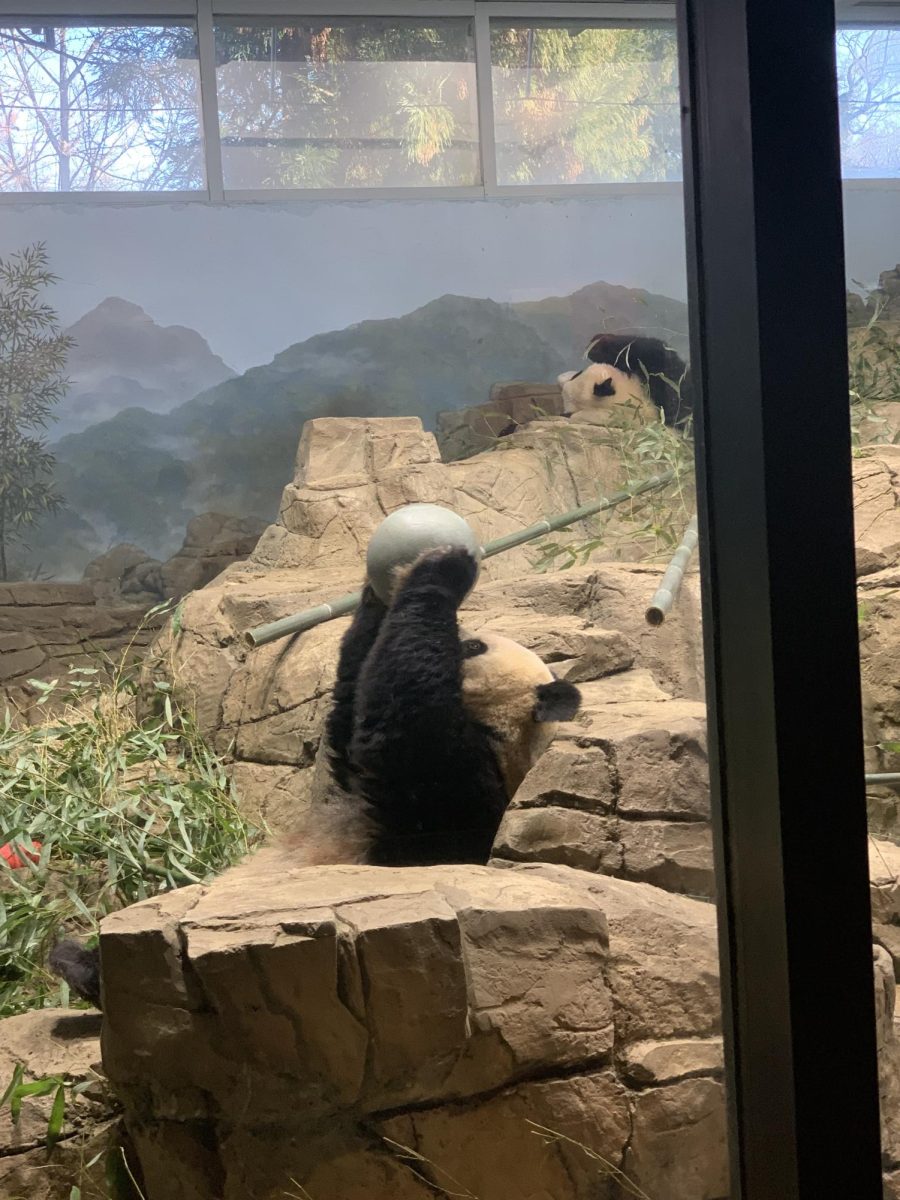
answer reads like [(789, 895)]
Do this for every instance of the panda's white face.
[(603, 395), (502, 689)]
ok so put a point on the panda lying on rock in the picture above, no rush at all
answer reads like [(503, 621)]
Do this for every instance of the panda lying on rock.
[(629, 380), (430, 734)]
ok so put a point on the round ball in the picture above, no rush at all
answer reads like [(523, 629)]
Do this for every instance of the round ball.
[(407, 533)]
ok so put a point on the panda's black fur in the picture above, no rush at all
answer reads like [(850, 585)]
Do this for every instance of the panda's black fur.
[(660, 368), (401, 736), (425, 738)]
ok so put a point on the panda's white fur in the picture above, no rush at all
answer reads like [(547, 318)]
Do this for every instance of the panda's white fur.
[(499, 687), (499, 691), (603, 395)]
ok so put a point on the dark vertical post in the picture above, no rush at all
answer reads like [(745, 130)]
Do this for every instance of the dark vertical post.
[(769, 355)]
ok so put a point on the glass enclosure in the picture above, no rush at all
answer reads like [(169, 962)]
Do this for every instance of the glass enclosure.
[(266, 279)]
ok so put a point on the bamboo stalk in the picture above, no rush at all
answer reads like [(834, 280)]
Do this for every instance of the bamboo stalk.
[(667, 592), (310, 617)]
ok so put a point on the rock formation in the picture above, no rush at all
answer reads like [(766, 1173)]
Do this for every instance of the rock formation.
[(212, 542), (308, 1026), (48, 628), (371, 1034), (463, 432)]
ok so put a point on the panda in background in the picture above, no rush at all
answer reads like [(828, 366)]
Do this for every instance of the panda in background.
[(629, 371), (430, 733), (600, 394)]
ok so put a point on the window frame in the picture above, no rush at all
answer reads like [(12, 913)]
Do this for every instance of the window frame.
[(205, 12), (778, 582)]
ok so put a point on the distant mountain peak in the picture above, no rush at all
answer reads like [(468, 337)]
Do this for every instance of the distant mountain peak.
[(115, 306), (122, 357)]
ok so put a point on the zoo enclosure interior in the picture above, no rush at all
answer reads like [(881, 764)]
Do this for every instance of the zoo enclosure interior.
[(717, 260)]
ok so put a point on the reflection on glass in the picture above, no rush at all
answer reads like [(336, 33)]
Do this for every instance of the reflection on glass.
[(99, 108), (576, 102), (868, 60), (355, 103)]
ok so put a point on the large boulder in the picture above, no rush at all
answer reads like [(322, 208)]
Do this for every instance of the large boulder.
[(463, 432), (371, 1033), (624, 790), (352, 471), (361, 1032)]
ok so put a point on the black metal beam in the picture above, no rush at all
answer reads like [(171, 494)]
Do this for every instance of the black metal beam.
[(769, 357)]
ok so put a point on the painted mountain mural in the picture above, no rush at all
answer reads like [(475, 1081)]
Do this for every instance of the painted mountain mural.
[(123, 359), (142, 474)]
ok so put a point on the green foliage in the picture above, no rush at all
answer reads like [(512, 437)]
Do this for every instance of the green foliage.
[(32, 360), (348, 102), (18, 1089), (585, 104), (123, 807), (654, 521)]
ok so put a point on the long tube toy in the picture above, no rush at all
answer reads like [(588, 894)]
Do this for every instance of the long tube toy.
[(670, 585), (310, 617)]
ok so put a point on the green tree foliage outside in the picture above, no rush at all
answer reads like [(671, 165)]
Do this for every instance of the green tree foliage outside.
[(576, 103), (32, 361), (349, 103)]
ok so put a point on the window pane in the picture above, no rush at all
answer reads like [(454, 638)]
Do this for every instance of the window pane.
[(576, 102), (99, 108), (360, 103), (869, 94)]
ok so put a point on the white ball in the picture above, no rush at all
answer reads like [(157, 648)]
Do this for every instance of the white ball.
[(407, 533)]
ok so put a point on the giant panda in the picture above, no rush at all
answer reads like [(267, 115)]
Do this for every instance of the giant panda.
[(431, 731), (622, 363), (601, 394)]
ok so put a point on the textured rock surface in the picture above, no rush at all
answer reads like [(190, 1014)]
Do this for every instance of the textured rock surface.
[(288, 1023), (877, 514), (212, 542), (463, 432), (46, 628), (65, 1044), (623, 790), (351, 472)]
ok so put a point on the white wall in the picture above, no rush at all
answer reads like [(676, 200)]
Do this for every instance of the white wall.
[(254, 278)]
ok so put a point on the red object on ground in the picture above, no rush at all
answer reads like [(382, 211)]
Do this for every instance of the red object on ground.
[(10, 852)]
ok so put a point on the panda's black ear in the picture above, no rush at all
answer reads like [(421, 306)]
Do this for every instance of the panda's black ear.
[(606, 388), (556, 701)]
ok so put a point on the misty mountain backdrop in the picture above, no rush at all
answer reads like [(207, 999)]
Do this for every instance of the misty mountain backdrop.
[(123, 359), (141, 474)]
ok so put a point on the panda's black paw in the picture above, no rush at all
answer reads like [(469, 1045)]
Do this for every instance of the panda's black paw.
[(370, 601), (451, 568)]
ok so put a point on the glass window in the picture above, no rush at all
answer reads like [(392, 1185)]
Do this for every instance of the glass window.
[(346, 104), (579, 102), (87, 108), (869, 96)]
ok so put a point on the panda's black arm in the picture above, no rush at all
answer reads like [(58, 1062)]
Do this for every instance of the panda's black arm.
[(355, 646), (425, 768), (409, 719)]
